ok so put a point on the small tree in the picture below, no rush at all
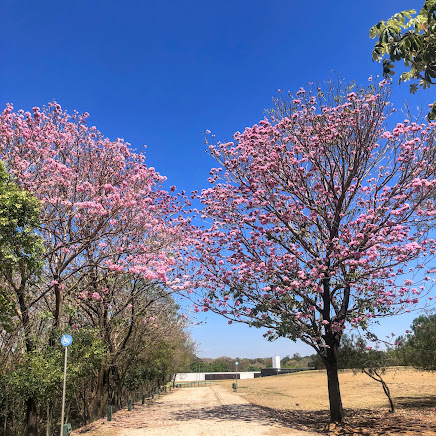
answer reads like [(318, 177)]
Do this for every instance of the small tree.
[(418, 347), (313, 218), (416, 46), (355, 354)]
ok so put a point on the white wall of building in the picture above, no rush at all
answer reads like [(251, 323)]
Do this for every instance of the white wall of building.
[(201, 376)]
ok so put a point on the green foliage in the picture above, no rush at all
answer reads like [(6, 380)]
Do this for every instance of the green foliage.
[(221, 364), (252, 368), (413, 40), (316, 362), (19, 217), (352, 354), (6, 312), (296, 361), (20, 247), (156, 366), (418, 348), (39, 373), (227, 364), (86, 354)]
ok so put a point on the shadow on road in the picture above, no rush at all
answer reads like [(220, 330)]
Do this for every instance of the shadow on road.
[(408, 421), (414, 416), (253, 413)]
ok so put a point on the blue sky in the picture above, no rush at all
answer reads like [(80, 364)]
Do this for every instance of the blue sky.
[(160, 73)]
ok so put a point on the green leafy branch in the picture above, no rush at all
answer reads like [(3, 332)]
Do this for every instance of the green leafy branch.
[(411, 39)]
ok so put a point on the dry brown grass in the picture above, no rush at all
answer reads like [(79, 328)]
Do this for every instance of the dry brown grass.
[(308, 390), (303, 397)]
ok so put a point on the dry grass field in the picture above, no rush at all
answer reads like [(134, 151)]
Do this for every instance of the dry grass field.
[(303, 397)]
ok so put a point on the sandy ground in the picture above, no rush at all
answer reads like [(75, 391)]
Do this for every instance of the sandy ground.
[(292, 404), (211, 410)]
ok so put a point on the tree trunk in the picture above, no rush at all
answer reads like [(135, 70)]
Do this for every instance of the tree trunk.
[(388, 394), (6, 412), (100, 394), (31, 418), (58, 304), (25, 319), (47, 428), (336, 411), (331, 364), (31, 409)]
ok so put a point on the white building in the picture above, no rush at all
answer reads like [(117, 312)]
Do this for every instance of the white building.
[(276, 362)]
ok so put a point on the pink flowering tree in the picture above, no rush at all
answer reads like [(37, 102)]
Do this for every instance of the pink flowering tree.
[(129, 313), (102, 207), (320, 220), (120, 306), (103, 212)]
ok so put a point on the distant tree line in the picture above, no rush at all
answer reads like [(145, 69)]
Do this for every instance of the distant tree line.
[(416, 348), (227, 364)]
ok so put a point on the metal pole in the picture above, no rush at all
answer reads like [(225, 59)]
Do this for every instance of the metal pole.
[(63, 393)]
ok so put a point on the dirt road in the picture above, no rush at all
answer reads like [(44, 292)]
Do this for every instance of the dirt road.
[(195, 411)]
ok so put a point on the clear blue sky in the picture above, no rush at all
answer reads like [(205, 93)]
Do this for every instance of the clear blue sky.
[(160, 73)]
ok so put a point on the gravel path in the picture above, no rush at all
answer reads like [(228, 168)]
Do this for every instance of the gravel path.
[(195, 411)]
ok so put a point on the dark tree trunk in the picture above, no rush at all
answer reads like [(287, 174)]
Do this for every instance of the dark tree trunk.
[(58, 304), (336, 411), (388, 394), (97, 409), (57, 311), (331, 364), (25, 319), (31, 409), (31, 417), (100, 393)]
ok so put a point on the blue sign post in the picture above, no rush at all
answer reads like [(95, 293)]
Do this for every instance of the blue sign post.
[(66, 341)]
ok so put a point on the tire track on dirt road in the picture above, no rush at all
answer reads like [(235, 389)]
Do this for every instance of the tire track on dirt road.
[(199, 411)]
